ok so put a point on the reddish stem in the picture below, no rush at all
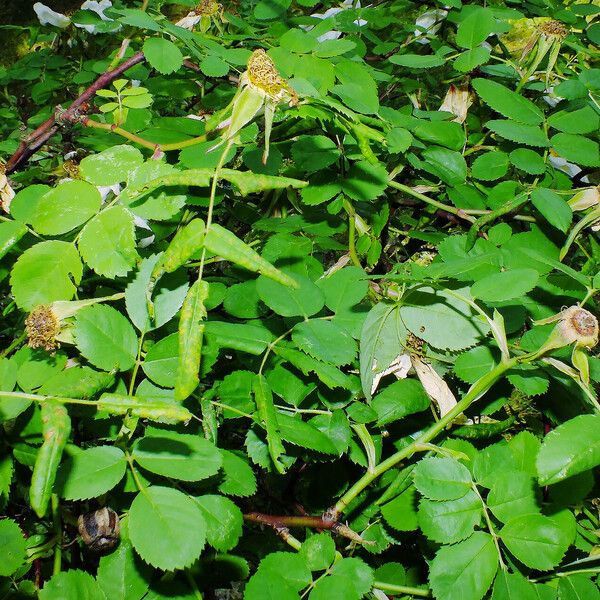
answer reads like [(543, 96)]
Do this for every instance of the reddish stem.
[(48, 128)]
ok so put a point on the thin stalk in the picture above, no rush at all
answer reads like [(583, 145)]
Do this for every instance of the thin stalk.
[(57, 526), (391, 588), (193, 585), (461, 214), (477, 390), (490, 526), (14, 344)]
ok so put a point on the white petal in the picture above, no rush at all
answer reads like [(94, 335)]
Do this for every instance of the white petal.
[(47, 16), (435, 386)]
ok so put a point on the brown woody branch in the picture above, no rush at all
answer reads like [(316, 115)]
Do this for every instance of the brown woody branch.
[(48, 128), (283, 522)]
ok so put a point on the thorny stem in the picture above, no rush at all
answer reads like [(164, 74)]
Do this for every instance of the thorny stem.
[(477, 390)]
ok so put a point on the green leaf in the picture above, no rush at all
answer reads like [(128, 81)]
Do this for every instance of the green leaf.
[(297, 432), (474, 363), (155, 410), (244, 337), (417, 61), (213, 66), (178, 530), (111, 166), (13, 546), (318, 551), (399, 399), (178, 455), (121, 576), (401, 512), (506, 285), (571, 448), (490, 166), (443, 133), (539, 542), (280, 575), (107, 242), (90, 473), (475, 28), (224, 521), (577, 587), (68, 205), (324, 341), (583, 120), (519, 132), (382, 340), (553, 208), (168, 297), (344, 288), (365, 181), (164, 56), (470, 59), (226, 244), (268, 417), (448, 165), (10, 233), (442, 320), (331, 376), (160, 364), (356, 572), (56, 428), (44, 273), (105, 337), (527, 160), (304, 300), (71, 585), (314, 152), (442, 478), (510, 586), (464, 571), (512, 494), (191, 330), (508, 103), (450, 521), (577, 149), (239, 478)]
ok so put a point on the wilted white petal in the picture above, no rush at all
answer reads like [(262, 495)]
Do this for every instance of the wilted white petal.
[(47, 16), (340, 264), (434, 385), (584, 199), (105, 190), (6, 193), (189, 21), (428, 23), (457, 101), (563, 165), (399, 367), (98, 7)]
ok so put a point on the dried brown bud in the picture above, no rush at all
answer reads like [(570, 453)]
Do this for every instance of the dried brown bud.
[(553, 28), (42, 326)]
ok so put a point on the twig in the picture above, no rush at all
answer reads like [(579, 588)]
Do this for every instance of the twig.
[(46, 130), (284, 522)]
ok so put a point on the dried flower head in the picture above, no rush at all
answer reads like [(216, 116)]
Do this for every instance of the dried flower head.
[(553, 29), (42, 325), (263, 74), (208, 8)]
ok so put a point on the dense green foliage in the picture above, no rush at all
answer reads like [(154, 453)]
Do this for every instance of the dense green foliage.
[(316, 323)]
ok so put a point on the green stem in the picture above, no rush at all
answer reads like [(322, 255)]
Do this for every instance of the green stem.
[(490, 526), (479, 388), (57, 526), (401, 589), (352, 240), (14, 344), (447, 207), (193, 585)]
